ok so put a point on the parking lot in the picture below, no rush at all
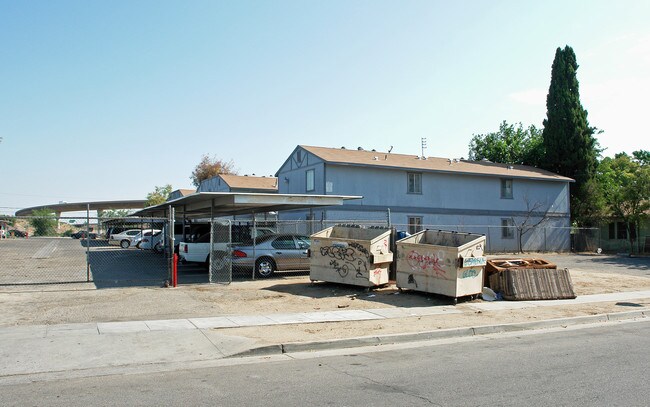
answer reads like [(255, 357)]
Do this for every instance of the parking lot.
[(63, 260)]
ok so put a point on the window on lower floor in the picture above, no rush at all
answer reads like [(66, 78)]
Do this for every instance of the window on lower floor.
[(619, 231), (507, 229), (415, 224)]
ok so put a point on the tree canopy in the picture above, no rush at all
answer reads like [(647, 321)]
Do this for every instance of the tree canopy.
[(511, 144), (159, 195), (44, 222), (209, 167), (570, 147), (625, 182)]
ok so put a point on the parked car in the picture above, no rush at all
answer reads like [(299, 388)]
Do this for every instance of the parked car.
[(152, 242), (15, 233), (114, 231), (82, 235), (271, 253), (123, 239), (135, 241), (198, 250)]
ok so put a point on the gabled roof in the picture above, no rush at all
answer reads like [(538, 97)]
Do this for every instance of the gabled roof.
[(412, 162), (186, 192), (250, 182)]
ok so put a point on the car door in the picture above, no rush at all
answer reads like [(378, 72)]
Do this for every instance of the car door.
[(302, 256), (284, 252)]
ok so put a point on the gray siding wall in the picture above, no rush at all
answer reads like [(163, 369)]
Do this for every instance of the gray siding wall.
[(292, 176), (214, 184)]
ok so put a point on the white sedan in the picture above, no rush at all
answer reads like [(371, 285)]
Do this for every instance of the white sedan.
[(124, 239)]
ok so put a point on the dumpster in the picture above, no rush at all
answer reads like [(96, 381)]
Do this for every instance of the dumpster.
[(442, 262), (351, 255)]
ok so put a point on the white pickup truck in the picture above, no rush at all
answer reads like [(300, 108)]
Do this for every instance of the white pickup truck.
[(198, 251)]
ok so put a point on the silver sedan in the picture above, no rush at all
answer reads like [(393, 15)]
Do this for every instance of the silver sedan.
[(274, 252)]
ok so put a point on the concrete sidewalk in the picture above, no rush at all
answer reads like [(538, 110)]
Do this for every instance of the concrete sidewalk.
[(55, 349)]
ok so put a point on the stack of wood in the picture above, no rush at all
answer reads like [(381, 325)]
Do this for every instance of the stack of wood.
[(529, 279)]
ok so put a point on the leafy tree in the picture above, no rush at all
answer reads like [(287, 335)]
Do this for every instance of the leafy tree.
[(570, 147), (44, 222), (209, 167), (642, 156), (10, 220), (509, 145), (626, 187), (159, 195)]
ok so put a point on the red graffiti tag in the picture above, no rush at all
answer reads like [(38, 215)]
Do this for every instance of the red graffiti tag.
[(419, 261)]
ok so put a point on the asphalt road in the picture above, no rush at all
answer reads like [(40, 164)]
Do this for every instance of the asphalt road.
[(600, 366)]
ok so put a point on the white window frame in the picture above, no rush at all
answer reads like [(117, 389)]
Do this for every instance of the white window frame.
[(310, 177), (414, 224), (507, 193), (416, 183)]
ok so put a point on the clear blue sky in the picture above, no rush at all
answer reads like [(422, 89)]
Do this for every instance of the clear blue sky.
[(105, 100)]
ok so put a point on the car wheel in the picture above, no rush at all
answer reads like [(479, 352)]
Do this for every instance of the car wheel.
[(124, 244), (264, 267), (158, 248)]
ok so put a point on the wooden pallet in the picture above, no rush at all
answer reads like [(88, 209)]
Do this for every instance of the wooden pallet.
[(523, 284)]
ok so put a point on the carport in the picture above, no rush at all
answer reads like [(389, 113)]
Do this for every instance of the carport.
[(215, 205)]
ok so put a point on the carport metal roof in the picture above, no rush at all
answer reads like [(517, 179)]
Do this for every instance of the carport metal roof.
[(84, 206), (216, 204)]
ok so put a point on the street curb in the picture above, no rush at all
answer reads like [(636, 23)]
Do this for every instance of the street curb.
[(279, 349)]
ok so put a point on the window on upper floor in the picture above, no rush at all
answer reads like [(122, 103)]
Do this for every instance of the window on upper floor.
[(506, 188), (415, 224), (507, 229), (311, 178), (414, 183)]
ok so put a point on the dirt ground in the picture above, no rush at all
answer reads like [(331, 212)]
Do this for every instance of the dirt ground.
[(83, 303)]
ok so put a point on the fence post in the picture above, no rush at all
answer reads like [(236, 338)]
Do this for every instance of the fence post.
[(88, 242)]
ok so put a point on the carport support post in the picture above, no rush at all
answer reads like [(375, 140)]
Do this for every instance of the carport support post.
[(88, 242), (211, 241), (170, 259), (254, 235)]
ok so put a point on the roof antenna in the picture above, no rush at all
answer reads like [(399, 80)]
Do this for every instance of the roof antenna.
[(424, 145), (390, 149)]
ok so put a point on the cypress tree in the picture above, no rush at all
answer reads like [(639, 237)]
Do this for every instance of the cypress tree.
[(571, 148)]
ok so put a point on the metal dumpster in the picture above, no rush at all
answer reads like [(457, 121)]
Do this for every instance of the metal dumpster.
[(442, 262), (351, 255)]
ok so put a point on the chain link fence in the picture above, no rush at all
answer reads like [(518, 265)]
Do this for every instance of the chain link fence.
[(138, 251), (106, 252)]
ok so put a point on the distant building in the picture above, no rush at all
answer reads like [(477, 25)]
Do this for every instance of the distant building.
[(179, 193), (419, 192), (239, 183)]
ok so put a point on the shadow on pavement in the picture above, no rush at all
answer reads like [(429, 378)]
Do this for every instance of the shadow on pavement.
[(636, 263), (94, 243), (387, 296), (127, 268)]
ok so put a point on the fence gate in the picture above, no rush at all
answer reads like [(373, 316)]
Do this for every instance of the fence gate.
[(220, 261)]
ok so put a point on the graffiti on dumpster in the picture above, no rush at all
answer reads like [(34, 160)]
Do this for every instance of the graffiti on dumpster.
[(424, 262), (346, 258), (470, 273), (411, 280)]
